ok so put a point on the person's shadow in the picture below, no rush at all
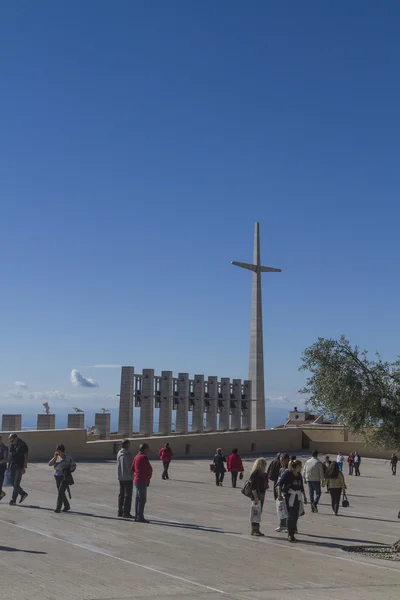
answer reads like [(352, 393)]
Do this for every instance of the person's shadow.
[(10, 549)]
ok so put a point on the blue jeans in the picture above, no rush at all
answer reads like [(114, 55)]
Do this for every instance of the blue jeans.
[(16, 476), (314, 487), (140, 500)]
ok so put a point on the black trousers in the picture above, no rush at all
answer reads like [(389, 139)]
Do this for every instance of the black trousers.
[(293, 512), (125, 497), (62, 499), (165, 471), (219, 477), (234, 475), (394, 469), (335, 498)]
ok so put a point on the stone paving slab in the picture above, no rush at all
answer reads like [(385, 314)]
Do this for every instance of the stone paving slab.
[(198, 544)]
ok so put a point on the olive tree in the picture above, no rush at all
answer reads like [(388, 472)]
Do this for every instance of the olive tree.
[(359, 393)]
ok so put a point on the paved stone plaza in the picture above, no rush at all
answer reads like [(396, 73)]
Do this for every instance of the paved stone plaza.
[(198, 545)]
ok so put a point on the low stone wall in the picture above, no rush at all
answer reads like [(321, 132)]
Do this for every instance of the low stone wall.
[(42, 444), (327, 440), (334, 439)]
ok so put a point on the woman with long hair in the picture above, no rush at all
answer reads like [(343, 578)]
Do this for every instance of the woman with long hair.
[(63, 465), (259, 484), (334, 479), (219, 467), (234, 466), (291, 489)]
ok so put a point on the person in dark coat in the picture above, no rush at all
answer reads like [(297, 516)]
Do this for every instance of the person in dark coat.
[(259, 485), (291, 488), (219, 467), (234, 465)]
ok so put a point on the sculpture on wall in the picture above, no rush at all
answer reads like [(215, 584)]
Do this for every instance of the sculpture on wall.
[(77, 410), (46, 408), (104, 410)]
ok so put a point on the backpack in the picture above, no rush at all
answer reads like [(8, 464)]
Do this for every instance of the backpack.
[(247, 491)]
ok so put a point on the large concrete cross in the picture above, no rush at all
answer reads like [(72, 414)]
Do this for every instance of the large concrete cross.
[(256, 358)]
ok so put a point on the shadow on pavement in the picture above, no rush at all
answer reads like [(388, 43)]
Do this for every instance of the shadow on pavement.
[(10, 549), (190, 526), (325, 537)]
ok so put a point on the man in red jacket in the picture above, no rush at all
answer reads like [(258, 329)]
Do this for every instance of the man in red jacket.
[(142, 472), (165, 455)]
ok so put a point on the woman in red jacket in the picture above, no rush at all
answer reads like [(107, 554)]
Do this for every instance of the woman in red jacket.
[(234, 465), (165, 455)]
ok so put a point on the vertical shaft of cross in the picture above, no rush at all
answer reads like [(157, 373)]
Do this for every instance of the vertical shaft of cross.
[(256, 356)]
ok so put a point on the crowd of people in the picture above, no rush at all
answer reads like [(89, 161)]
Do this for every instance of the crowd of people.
[(286, 475)]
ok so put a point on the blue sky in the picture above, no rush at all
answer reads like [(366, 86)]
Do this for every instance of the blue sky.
[(139, 143)]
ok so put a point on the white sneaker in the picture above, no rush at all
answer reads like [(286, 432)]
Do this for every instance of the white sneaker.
[(281, 529)]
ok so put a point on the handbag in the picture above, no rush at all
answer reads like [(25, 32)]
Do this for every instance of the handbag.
[(212, 467), (255, 513), (345, 501), (247, 491), (241, 475)]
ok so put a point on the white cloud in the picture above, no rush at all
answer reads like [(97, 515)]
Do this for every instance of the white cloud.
[(15, 393), (19, 384), (78, 379), (46, 396), (278, 402)]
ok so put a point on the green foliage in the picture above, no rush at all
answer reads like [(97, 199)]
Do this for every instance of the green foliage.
[(362, 394)]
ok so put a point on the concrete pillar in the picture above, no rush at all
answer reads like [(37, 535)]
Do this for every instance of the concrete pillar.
[(183, 406), (125, 417), (198, 409), (246, 405), (226, 404), (102, 424), (147, 403), (211, 416), (236, 405), (165, 418), (11, 423), (76, 421), (46, 421)]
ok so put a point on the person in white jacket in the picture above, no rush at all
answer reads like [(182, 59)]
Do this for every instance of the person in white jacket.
[(125, 478), (313, 474)]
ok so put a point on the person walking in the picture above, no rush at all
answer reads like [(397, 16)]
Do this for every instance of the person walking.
[(124, 464), (340, 461), (235, 466), (142, 473), (334, 479), (313, 474), (3, 465), (284, 462), (350, 462), (219, 467), (327, 462), (357, 464), (64, 466), (17, 465), (291, 489), (165, 455), (393, 463), (258, 481), (273, 470)]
